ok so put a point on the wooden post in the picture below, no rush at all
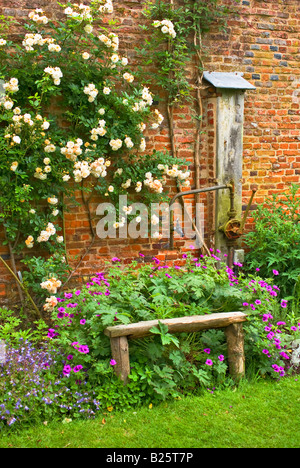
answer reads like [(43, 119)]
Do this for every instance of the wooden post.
[(120, 353), (236, 355)]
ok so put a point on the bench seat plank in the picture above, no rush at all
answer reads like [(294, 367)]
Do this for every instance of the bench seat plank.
[(177, 325)]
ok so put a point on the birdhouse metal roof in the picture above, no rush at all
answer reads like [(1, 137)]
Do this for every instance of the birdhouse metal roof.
[(232, 80)]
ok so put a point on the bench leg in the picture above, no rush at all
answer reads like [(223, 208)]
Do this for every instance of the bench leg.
[(236, 355), (120, 353)]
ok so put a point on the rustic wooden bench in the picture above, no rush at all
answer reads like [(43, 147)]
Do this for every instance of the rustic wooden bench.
[(232, 322)]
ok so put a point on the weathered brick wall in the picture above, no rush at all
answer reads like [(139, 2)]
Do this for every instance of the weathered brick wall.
[(262, 41)]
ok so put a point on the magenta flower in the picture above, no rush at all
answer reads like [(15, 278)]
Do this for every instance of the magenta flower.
[(70, 357), (275, 272), (67, 370), (84, 349), (77, 368), (284, 355), (245, 304), (115, 259), (60, 315), (221, 357), (113, 362), (258, 302), (294, 328), (283, 304), (51, 333), (209, 362), (82, 321), (207, 350)]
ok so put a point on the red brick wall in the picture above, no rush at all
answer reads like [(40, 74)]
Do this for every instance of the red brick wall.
[(262, 41)]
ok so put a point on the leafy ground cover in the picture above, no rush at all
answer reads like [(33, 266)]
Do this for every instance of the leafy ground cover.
[(70, 373), (260, 414)]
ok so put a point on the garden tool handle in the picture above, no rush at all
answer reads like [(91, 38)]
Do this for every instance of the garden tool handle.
[(247, 211)]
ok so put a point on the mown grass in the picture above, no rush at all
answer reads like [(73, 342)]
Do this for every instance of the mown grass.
[(263, 414)]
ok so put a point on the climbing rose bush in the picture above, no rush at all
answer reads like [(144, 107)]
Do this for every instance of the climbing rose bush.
[(73, 117)]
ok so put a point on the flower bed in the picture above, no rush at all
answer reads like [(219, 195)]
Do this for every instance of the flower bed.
[(79, 380)]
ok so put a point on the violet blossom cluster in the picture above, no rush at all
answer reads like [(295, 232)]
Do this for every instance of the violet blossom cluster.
[(27, 392)]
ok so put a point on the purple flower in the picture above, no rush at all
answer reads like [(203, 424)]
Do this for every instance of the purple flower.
[(258, 302), (113, 362), (207, 350), (77, 368), (221, 357), (60, 315), (78, 292), (68, 295), (70, 357), (84, 349), (115, 259), (245, 304), (67, 370), (61, 309), (275, 272), (82, 321), (283, 304), (281, 323), (209, 362), (294, 328), (284, 355)]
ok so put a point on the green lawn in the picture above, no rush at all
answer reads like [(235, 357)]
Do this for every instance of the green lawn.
[(256, 415)]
